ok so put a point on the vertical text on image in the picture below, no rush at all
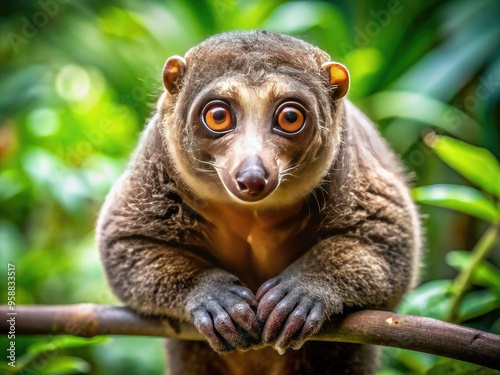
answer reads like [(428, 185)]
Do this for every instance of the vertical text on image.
[(11, 314)]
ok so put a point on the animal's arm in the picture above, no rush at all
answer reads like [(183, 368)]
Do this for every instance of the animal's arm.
[(366, 264), (155, 276)]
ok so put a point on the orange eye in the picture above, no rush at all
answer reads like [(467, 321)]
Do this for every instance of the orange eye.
[(290, 118), (217, 116)]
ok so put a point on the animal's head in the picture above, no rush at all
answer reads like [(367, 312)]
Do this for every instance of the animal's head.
[(255, 117)]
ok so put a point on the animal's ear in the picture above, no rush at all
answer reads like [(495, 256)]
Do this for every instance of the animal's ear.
[(173, 72), (338, 77)]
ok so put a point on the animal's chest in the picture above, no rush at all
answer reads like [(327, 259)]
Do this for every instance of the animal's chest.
[(256, 247)]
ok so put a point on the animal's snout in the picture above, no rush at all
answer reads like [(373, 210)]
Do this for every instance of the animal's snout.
[(251, 177)]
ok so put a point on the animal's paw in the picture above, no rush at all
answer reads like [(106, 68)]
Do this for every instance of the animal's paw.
[(288, 312), (225, 315)]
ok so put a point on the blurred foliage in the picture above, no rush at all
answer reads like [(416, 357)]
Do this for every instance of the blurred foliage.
[(78, 82), (475, 292)]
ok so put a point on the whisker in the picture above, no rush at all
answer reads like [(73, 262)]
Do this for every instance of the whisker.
[(214, 166), (287, 171)]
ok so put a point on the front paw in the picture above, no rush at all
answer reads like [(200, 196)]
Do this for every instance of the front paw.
[(225, 315), (289, 312)]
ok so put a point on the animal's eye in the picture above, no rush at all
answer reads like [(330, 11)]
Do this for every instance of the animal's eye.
[(217, 116), (290, 118)]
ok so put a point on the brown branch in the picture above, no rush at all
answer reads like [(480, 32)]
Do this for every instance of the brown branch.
[(363, 327)]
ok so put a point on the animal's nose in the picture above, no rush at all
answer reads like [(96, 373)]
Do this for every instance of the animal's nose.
[(252, 176)]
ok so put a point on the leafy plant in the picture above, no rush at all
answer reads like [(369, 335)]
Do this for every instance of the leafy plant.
[(475, 292), (47, 357)]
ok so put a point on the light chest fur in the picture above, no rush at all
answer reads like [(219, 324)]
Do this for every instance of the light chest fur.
[(256, 246)]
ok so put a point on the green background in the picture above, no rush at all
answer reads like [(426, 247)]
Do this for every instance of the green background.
[(79, 79)]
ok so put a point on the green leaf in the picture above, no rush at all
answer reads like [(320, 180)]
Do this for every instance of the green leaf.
[(458, 259), (478, 303), (450, 366), (431, 299), (63, 342), (416, 362), (476, 164), (424, 110), (485, 274), (455, 61), (390, 371), (65, 365), (460, 198)]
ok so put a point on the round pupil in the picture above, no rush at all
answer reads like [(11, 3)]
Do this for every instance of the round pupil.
[(291, 116), (219, 115)]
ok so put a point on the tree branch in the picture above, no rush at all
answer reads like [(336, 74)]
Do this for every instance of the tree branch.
[(363, 327)]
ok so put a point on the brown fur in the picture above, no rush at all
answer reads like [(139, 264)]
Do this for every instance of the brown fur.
[(338, 234)]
